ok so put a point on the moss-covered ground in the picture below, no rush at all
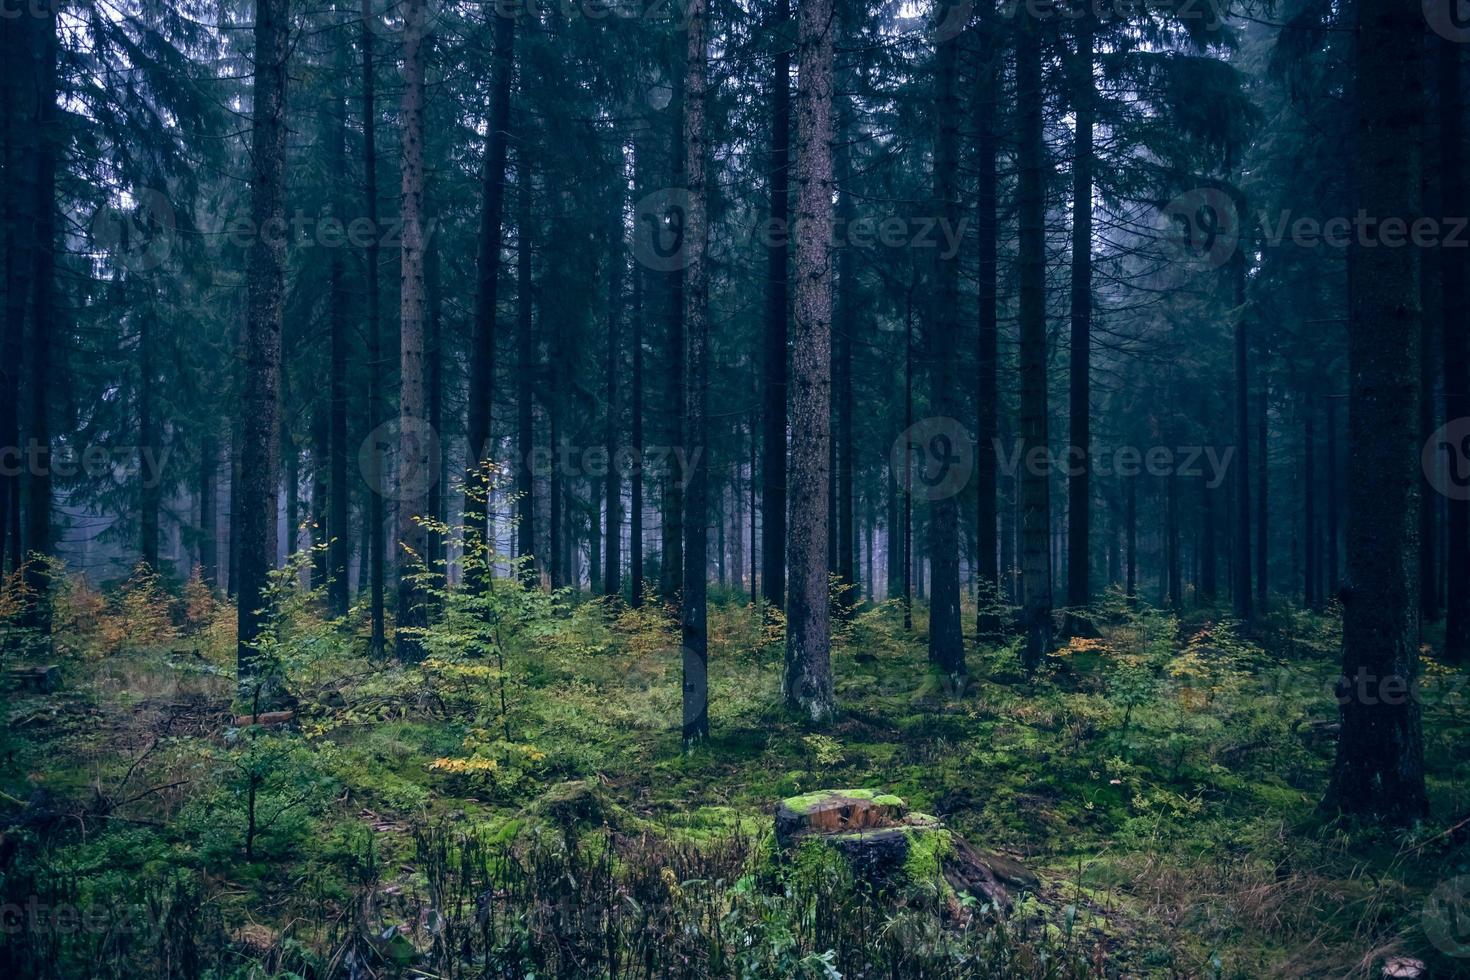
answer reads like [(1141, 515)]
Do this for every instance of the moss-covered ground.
[(1162, 779)]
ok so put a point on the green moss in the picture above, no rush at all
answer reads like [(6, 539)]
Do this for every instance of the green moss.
[(927, 851), (807, 802)]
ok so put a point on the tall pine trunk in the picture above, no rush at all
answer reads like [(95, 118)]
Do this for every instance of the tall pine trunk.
[(337, 531), (693, 603), (1035, 501), (373, 516), (43, 316), (1242, 563), (265, 294), (1079, 493), (487, 283), (1379, 769), (1455, 339), (209, 508), (635, 489), (612, 583), (773, 388), (149, 492), (808, 678), (987, 350), (526, 368), (946, 638), (413, 447)]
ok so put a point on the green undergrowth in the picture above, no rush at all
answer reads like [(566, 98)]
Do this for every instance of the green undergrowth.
[(1161, 778)]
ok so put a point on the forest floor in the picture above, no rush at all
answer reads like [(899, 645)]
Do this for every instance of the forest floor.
[(1161, 779)]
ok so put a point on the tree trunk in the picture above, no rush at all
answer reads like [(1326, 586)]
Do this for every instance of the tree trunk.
[(487, 283), (987, 356), (149, 492), (413, 460), (844, 331), (1242, 428), (1031, 204), (773, 391), (1079, 493), (692, 605), (1379, 769), (265, 293), (209, 509), (635, 489), (1262, 489), (1330, 544), (526, 370), (337, 531), (808, 679), (1311, 588), (20, 196), (1455, 339), (373, 516), (946, 637), (612, 583), (49, 149)]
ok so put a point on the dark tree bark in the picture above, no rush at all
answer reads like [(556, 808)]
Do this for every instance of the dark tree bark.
[(434, 346), (671, 556), (844, 330), (413, 448), (1031, 206), (987, 356), (149, 491), (321, 453), (1455, 338), (1263, 489), (693, 603), (612, 583), (265, 293), (19, 192), (1330, 542), (43, 317), (1131, 586), (1242, 561), (908, 463), (526, 370), (1379, 769), (487, 281), (1079, 492), (773, 391), (946, 637), (373, 514), (209, 508), (338, 533), (1208, 589), (807, 684), (1312, 586), (635, 489)]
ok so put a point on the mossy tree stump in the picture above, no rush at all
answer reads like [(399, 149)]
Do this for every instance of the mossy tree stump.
[(887, 844)]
